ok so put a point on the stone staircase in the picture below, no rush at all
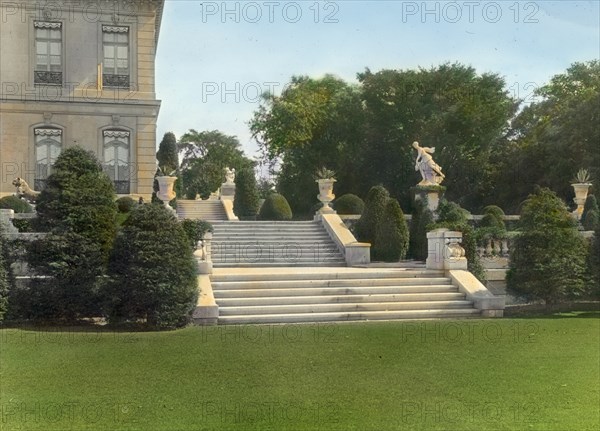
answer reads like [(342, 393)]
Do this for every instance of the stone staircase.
[(289, 295), (210, 210), (273, 244)]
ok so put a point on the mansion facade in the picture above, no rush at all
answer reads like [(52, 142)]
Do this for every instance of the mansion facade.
[(79, 72)]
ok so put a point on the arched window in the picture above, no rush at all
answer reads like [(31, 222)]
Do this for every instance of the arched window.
[(48, 143), (116, 159)]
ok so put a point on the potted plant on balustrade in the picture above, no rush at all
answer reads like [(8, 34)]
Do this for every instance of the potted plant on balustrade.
[(325, 178), (581, 184), (166, 181)]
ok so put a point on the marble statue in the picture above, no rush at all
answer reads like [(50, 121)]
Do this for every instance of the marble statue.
[(24, 191), (229, 176), (430, 171)]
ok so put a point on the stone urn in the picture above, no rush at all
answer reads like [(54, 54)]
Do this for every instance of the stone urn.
[(581, 193), (326, 194), (165, 190)]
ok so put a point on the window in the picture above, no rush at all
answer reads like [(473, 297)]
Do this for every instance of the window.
[(115, 66), (48, 53), (48, 143), (116, 159)]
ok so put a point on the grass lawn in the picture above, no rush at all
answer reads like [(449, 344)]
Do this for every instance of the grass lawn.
[(521, 374)]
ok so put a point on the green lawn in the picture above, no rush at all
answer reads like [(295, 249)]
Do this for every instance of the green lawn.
[(521, 374)]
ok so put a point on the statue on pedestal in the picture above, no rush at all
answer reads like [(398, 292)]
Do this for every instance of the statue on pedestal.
[(229, 176), (430, 171)]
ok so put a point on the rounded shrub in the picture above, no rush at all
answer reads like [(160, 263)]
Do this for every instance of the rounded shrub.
[(275, 208), (493, 217), (125, 204), (245, 201), (152, 271), (195, 230), (391, 235), (349, 204), (548, 257), (372, 215), (16, 204), (594, 263)]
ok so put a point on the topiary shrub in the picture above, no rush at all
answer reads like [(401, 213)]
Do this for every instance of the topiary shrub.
[(365, 228), (16, 204), (245, 201), (195, 230), (493, 217), (152, 271), (275, 208), (349, 204), (4, 285), (548, 257), (125, 204), (78, 208), (590, 218), (391, 235), (422, 219)]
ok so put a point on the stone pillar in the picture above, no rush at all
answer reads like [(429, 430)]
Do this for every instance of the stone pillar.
[(203, 255), (432, 194), (445, 251)]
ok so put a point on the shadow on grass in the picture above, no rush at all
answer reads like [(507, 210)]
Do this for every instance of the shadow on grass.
[(569, 310), (83, 326)]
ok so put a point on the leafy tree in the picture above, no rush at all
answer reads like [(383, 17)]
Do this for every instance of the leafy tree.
[(590, 218), (78, 207), (551, 139), (205, 157), (548, 257), (313, 121), (391, 235), (245, 202), (493, 217), (450, 107), (152, 271), (372, 215), (275, 208)]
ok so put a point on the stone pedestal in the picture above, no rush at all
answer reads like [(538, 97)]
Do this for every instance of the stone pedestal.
[(445, 251), (326, 195), (227, 190), (431, 194), (6, 226)]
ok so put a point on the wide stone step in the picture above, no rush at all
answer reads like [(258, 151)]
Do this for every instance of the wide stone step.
[(279, 264), (331, 291), (350, 316), (325, 275), (330, 299), (340, 282), (342, 308)]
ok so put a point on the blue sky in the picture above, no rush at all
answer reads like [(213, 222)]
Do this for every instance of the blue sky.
[(214, 57)]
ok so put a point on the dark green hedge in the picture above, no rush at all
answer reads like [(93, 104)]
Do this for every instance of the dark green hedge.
[(372, 215), (391, 235), (16, 204), (275, 208), (245, 201), (152, 271)]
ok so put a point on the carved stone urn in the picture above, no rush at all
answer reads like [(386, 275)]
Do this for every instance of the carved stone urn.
[(581, 193), (165, 190), (326, 195)]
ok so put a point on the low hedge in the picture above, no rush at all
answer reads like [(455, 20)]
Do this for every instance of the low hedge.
[(275, 208)]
